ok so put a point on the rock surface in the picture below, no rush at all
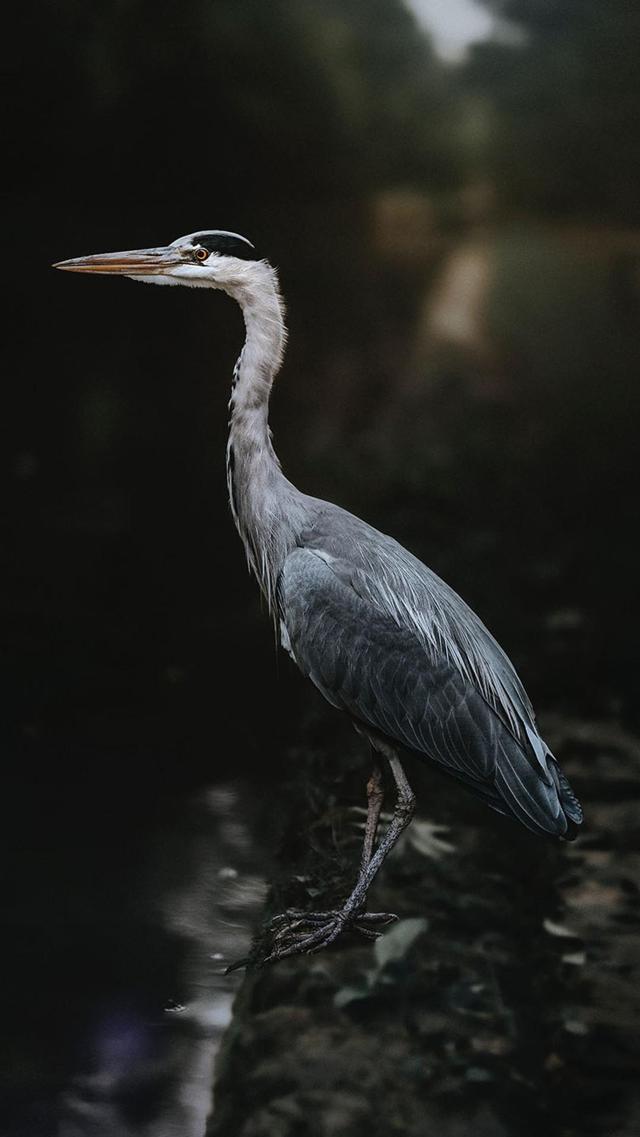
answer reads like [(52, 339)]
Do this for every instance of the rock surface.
[(504, 1002)]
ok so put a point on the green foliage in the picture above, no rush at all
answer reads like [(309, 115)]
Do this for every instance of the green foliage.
[(567, 137), (390, 953), (301, 96)]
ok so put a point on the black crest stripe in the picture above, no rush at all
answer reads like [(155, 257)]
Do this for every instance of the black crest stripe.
[(228, 244)]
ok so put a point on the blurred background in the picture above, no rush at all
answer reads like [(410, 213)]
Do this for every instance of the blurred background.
[(450, 192)]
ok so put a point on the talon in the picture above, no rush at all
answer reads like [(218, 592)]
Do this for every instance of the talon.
[(238, 965), (288, 917), (379, 917), (368, 933), (296, 932), (287, 930)]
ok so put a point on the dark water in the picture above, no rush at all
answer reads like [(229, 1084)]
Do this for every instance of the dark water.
[(134, 779), (117, 998)]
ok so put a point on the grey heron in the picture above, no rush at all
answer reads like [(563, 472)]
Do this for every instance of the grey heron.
[(379, 634)]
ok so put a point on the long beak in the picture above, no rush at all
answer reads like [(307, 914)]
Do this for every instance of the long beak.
[(143, 262)]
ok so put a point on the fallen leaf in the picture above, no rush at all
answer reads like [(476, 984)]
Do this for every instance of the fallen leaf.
[(395, 943)]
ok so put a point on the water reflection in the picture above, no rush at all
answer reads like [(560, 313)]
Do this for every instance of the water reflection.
[(143, 1072)]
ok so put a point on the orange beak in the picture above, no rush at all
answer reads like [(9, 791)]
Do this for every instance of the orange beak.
[(137, 262)]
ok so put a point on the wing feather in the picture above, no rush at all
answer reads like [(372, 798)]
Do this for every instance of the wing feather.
[(379, 654), (385, 574)]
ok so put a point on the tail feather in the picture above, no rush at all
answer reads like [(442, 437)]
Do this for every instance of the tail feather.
[(544, 805), (568, 800)]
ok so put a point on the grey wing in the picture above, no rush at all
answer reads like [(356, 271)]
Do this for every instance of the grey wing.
[(376, 669)]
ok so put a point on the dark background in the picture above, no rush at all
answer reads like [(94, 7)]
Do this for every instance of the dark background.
[(139, 666)]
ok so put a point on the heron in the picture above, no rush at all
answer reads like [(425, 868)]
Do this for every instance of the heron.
[(383, 638)]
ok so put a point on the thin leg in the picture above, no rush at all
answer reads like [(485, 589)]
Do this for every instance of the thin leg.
[(402, 815), (331, 924), (375, 797)]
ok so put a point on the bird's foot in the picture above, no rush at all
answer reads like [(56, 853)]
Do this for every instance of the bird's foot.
[(297, 932)]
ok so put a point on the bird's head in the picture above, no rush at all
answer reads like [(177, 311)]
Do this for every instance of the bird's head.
[(211, 258)]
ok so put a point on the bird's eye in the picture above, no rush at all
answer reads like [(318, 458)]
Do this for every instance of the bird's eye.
[(201, 254)]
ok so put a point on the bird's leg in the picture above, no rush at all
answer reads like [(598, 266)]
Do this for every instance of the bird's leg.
[(375, 797), (329, 925)]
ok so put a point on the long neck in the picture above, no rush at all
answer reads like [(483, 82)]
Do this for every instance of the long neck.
[(266, 508)]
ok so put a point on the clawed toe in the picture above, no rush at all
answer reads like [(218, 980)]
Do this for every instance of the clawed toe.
[(295, 916), (291, 941), (297, 932)]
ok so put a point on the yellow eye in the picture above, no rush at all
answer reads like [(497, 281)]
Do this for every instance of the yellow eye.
[(201, 254)]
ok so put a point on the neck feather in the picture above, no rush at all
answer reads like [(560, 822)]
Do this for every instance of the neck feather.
[(266, 508)]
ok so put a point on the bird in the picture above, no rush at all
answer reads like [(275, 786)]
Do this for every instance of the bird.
[(383, 638)]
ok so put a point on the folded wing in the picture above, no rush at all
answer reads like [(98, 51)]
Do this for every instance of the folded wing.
[(381, 638)]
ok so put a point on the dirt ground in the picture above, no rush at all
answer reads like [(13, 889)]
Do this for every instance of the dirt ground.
[(504, 1002)]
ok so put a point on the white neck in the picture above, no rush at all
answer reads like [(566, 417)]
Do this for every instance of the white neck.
[(267, 509)]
